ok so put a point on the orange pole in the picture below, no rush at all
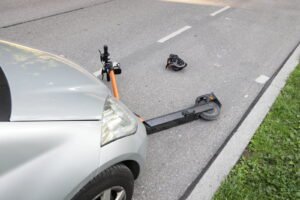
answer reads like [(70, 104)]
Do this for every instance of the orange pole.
[(115, 89), (114, 84)]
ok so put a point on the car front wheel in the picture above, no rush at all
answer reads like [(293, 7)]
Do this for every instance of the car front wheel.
[(115, 183)]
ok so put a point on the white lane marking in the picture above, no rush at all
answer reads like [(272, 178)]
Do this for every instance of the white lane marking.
[(262, 79), (162, 40), (219, 11), (97, 73)]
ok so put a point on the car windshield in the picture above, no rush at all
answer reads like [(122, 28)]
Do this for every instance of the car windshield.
[(5, 98)]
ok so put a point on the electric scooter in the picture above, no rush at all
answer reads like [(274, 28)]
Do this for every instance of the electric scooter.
[(206, 106)]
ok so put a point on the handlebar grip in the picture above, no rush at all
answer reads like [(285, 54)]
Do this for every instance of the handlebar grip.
[(105, 48)]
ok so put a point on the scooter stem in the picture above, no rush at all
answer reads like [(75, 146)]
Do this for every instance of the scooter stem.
[(114, 84)]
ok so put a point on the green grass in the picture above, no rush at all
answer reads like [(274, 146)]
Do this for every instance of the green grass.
[(270, 167)]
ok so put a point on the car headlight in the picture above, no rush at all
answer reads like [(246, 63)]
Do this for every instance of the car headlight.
[(117, 121)]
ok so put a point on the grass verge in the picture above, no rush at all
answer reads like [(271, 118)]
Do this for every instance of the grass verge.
[(270, 166)]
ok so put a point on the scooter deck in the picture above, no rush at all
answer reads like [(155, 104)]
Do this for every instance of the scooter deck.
[(203, 103)]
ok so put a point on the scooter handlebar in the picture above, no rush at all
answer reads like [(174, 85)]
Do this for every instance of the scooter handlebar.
[(104, 57)]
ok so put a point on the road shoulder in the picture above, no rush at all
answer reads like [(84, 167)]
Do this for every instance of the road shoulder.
[(231, 151)]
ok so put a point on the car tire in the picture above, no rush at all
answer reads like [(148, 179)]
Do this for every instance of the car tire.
[(116, 182)]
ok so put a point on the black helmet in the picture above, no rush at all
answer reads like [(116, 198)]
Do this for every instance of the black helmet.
[(175, 63)]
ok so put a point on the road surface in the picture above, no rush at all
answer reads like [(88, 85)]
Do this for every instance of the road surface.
[(231, 48)]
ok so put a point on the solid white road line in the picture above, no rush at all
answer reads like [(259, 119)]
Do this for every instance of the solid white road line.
[(219, 11), (262, 79), (162, 40)]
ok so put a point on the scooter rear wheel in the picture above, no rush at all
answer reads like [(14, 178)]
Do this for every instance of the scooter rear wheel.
[(211, 114)]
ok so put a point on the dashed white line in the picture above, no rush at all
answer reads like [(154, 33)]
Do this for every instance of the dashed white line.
[(219, 11), (262, 79), (162, 40), (97, 73)]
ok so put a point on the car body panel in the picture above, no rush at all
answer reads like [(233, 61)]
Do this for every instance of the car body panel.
[(54, 160), (130, 148), (46, 160), (51, 147), (47, 87)]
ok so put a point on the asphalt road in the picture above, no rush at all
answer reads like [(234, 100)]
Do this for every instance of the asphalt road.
[(226, 52)]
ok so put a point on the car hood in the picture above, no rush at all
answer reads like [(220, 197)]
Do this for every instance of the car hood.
[(46, 87)]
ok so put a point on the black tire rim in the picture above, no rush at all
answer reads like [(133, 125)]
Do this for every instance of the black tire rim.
[(112, 193)]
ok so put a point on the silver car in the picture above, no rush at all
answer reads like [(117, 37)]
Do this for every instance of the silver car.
[(62, 135)]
